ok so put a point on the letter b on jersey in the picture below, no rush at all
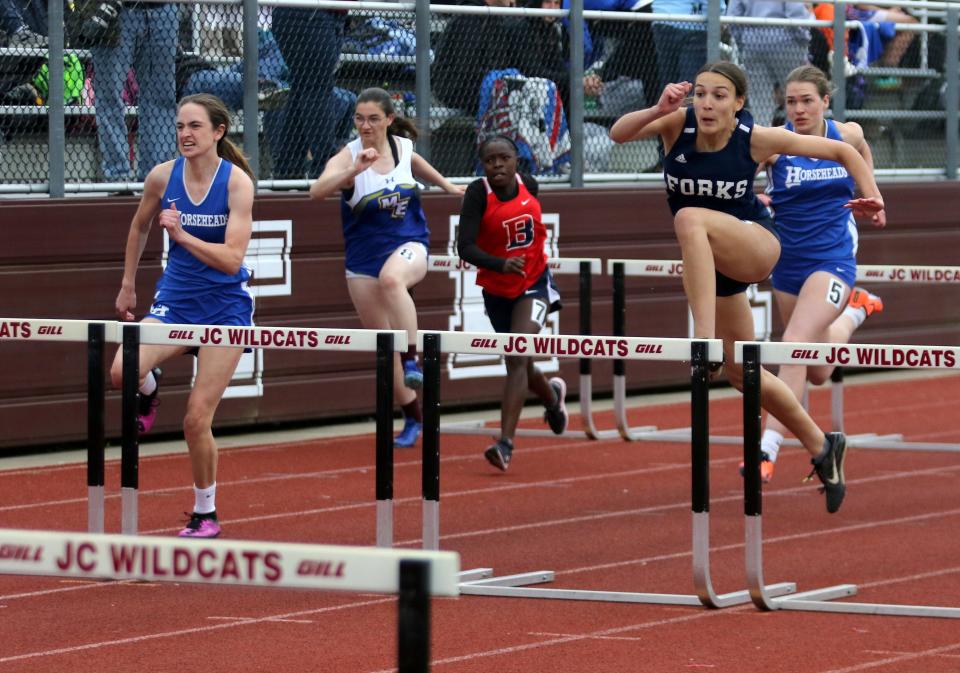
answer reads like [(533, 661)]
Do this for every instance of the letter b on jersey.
[(519, 232)]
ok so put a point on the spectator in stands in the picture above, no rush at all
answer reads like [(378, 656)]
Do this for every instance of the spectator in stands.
[(518, 290), (204, 202), (143, 37), (196, 74), (546, 54), (885, 44), (681, 46), (385, 232), (310, 41), (769, 53), (17, 32), (471, 46)]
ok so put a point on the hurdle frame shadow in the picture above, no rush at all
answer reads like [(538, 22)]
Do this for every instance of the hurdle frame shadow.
[(751, 355), (481, 582), (619, 269), (414, 576), (585, 268)]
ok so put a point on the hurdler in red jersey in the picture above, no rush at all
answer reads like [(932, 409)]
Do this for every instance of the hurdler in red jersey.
[(502, 234), (512, 228)]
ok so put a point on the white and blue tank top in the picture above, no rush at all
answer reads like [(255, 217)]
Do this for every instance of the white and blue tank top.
[(808, 198), (383, 211), (720, 180), (207, 220)]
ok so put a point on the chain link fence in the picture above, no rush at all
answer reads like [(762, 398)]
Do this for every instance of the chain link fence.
[(552, 78)]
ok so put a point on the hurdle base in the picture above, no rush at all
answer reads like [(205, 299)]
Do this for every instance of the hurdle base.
[(385, 523), (474, 574), (887, 609), (95, 500), (128, 515)]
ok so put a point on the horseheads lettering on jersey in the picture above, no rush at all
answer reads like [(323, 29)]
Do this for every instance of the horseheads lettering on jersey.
[(467, 314), (268, 258), (796, 175)]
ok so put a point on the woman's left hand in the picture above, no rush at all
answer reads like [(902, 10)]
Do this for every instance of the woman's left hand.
[(866, 207), (457, 189)]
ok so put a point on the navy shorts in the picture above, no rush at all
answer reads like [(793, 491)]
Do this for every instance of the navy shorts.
[(726, 286), (791, 273), (500, 309)]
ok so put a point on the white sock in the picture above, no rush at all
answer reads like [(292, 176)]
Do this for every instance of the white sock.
[(205, 499), (149, 384), (857, 315), (770, 444)]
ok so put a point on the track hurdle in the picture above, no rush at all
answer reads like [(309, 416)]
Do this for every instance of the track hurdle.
[(414, 576), (752, 355), (383, 343), (700, 353), (891, 274), (874, 273), (96, 333), (583, 267)]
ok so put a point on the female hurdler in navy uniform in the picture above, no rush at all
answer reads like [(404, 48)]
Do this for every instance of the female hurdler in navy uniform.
[(725, 234), (205, 205), (385, 231), (818, 235), (502, 234)]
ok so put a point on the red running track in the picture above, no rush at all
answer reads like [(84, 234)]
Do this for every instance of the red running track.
[(603, 515)]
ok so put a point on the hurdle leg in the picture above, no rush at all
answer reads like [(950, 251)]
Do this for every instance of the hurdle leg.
[(384, 441), (761, 595), (430, 470), (130, 441), (96, 435)]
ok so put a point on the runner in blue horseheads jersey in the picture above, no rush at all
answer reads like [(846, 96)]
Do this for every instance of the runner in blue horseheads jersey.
[(814, 277)]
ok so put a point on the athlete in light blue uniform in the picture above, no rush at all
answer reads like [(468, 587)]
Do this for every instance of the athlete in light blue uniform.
[(204, 202), (710, 157), (817, 268), (385, 231)]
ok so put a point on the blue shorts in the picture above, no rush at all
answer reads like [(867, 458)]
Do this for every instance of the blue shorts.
[(228, 305), (790, 274), (371, 266), (500, 309)]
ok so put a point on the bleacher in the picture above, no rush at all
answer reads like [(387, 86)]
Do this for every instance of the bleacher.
[(904, 125)]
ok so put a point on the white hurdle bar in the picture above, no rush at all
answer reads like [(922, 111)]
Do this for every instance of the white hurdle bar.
[(412, 575), (96, 333), (699, 352), (873, 273), (585, 268), (752, 355), (382, 342)]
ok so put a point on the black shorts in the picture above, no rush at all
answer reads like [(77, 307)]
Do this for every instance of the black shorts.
[(500, 309), (726, 286)]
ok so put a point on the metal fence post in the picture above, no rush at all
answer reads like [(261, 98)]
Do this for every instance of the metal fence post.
[(251, 57), (56, 131), (575, 113), (713, 32), (838, 67), (422, 85), (952, 97)]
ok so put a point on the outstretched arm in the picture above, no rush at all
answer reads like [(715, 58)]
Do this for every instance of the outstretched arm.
[(852, 133), (340, 171), (664, 119), (767, 141), (422, 169), (153, 188)]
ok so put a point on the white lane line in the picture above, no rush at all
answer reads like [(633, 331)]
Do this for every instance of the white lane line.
[(187, 632)]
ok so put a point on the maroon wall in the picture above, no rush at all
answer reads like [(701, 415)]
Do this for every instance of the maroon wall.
[(63, 259)]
